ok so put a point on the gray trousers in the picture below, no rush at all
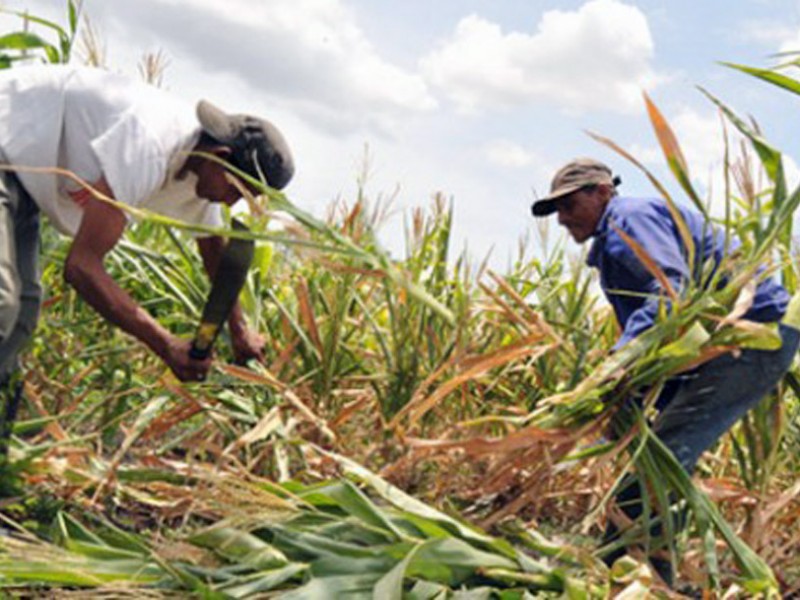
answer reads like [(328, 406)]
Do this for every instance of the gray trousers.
[(20, 290)]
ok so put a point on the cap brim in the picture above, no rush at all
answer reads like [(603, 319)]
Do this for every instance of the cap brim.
[(215, 122), (542, 208), (548, 205)]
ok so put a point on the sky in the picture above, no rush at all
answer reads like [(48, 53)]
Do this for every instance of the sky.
[(478, 100)]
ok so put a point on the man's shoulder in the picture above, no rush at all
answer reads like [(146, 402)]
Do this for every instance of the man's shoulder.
[(634, 213), (40, 78), (624, 206), (25, 76), (131, 105)]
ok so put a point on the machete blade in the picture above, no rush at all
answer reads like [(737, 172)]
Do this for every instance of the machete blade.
[(228, 282)]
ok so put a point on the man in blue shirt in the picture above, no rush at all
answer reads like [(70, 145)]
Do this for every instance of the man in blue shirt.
[(696, 409)]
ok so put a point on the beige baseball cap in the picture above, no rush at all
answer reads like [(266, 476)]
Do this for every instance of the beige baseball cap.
[(257, 147), (573, 176)]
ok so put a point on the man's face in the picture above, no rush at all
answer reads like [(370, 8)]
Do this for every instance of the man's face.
[(580, 212), (215, 184)]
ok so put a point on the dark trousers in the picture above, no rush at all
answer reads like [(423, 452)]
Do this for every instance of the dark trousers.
[(702, 407)]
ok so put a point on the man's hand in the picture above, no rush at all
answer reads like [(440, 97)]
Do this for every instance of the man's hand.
[(247, 345), (176, 356)]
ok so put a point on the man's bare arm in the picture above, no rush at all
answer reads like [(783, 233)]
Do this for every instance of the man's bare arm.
[(101, 228)]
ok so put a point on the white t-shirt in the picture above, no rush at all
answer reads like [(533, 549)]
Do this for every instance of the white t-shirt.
[(99, 124)]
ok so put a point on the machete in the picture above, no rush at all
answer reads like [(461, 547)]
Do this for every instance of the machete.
[(228, 281)]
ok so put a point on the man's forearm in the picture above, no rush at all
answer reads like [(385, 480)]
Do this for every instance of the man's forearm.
[(101, 228), (98, 288), (236, 321)]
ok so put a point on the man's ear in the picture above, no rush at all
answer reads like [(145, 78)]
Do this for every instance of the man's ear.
[(213, 147), (220, 151)]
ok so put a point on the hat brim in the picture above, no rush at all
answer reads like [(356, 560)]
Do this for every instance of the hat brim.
[(215, 122), (549, 204), (543, 208)]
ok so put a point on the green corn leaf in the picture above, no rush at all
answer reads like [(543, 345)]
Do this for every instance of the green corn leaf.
[(390, 586), (353, 501), (39, 21), (769, 75), (263, 581), (22, 40), (792, 316), (452, 561), (403, 501), (53, 55), (73, 16), (306, 545), (687, 346), (352, 587), (751, 335), (757, 576), (70, 530), (102, 552), (426, 590), (263, 260), (85, 573), (241, 547), (335, 566)]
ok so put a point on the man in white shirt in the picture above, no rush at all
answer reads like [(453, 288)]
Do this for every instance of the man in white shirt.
[(132, 142)]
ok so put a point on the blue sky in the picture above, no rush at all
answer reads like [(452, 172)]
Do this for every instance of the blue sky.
[(479, 100)]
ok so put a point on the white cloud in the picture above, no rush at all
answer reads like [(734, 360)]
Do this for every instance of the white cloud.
[(310, 54), (597, 57), (506, 153)]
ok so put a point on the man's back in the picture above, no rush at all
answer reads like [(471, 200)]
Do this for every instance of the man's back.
[(632, 289), (95, 124)]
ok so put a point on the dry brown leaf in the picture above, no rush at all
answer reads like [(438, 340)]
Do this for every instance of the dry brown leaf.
[(524, 348), (266, 378), (666, 138), (480, 446), (307, 313), (648, 262)]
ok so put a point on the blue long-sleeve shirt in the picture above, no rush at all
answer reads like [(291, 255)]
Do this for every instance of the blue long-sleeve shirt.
[(630, 288)]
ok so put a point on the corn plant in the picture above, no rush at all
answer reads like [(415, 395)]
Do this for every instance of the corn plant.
[(26, 45)]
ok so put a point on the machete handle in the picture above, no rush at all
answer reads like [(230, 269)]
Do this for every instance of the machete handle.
[(201, 344), (227, 283), (196, 353)]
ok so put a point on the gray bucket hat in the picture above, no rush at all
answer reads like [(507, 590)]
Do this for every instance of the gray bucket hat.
[(257, 147), (573, 176)]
